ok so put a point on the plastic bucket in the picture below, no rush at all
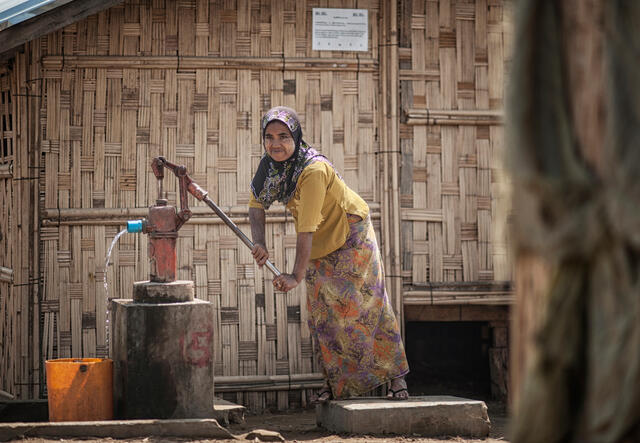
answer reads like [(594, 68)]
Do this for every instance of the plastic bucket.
[(80, 389)]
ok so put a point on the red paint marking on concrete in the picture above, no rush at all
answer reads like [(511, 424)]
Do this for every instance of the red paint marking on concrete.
[(197, 349)]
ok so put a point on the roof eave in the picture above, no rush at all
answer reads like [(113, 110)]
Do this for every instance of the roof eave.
[(13, 37)]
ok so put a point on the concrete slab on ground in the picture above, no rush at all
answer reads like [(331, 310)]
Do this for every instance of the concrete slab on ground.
[(428, 416), (226, 412), (185, 428)]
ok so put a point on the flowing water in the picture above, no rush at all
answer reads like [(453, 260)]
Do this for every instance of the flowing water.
[(106, 286)]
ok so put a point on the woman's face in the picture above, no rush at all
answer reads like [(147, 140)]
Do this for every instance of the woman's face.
[(278, 141)]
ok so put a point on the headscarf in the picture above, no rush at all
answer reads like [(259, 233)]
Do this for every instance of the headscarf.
[(277, 180)]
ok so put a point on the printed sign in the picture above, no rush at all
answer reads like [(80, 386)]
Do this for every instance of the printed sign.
[(340, 29)]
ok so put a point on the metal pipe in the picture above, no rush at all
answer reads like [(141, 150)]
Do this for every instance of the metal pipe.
[(237, 231)]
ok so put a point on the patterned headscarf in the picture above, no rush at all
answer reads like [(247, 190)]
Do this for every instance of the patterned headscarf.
[(277, 180)]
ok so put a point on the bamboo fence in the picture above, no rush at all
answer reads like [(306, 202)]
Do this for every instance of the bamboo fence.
[(189, 80), (453, 58)]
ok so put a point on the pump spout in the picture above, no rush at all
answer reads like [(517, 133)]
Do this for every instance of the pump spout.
[(135, 226)]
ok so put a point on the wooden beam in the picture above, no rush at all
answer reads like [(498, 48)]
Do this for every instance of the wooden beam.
[(460, 293), (16, 35), (457, 313), (464, 286)]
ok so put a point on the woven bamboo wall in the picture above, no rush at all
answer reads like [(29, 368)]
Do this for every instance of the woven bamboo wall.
[(453, 57), (189, 80), (7, 307), (19, 268)]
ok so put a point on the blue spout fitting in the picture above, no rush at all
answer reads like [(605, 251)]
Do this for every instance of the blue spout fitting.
[(134, 226)]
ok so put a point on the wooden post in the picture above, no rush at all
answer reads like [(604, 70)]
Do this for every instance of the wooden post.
[(583, 36)]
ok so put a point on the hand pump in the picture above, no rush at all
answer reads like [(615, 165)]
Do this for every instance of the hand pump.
[(163, 222)]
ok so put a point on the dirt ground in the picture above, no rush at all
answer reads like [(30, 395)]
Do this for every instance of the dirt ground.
[(300, 426)]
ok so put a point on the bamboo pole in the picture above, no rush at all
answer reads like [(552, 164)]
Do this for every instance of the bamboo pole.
[(89, 213), (228, 379), (395, 153), (417, 214), (413, 75), (88, 219), (464, 286), (123, 221), (58, 63), (472, 299), (35, 155), (6, 274), (454, 117), (473, 292), (260, 383), (488, 113), (384, 177)]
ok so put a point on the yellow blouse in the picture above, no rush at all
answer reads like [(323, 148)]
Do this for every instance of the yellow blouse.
[(320, 205)]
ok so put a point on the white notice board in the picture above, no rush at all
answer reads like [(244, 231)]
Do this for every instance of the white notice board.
[(340, 29)]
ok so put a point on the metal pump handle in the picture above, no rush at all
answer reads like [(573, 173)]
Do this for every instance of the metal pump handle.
[(186, 184)]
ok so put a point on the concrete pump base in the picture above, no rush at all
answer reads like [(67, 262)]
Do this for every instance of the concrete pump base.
[(173, 292), (163, 359)]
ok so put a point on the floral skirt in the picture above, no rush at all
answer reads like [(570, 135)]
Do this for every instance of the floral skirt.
[(357, 339)]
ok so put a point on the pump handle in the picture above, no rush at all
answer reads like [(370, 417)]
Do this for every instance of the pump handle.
[(187, 185)]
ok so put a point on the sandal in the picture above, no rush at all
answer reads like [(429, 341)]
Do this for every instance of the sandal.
[(395, 394), (323, 396)]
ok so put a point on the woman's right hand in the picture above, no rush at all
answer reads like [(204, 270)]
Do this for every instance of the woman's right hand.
[(260, 253)]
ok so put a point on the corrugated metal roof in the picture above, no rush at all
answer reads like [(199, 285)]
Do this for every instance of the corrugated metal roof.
[(16, 11)]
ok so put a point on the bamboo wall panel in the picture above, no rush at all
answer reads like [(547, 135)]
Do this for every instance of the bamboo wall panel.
[(453, 57), (93, 103), (189, 80), (19, 268)]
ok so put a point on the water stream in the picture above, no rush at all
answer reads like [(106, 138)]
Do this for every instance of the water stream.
[(106, 286)]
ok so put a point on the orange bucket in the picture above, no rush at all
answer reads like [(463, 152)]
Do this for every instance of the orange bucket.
[(80, 389)]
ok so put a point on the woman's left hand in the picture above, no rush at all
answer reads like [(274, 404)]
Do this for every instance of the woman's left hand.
[(285, 282)]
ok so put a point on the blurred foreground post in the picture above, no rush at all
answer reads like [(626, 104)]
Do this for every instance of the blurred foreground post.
[(574, 158)]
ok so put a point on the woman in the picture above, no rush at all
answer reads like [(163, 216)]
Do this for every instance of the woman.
[(357, 338)]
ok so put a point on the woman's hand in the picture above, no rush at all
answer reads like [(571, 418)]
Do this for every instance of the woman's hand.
[(285, 282), (260, 253)]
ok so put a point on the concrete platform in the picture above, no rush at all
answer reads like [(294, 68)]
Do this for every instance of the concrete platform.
[(429, 416), (185, 428), (226, 412)]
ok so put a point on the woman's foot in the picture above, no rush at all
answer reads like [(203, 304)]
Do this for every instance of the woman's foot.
[(323, 395), (398, 389)]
